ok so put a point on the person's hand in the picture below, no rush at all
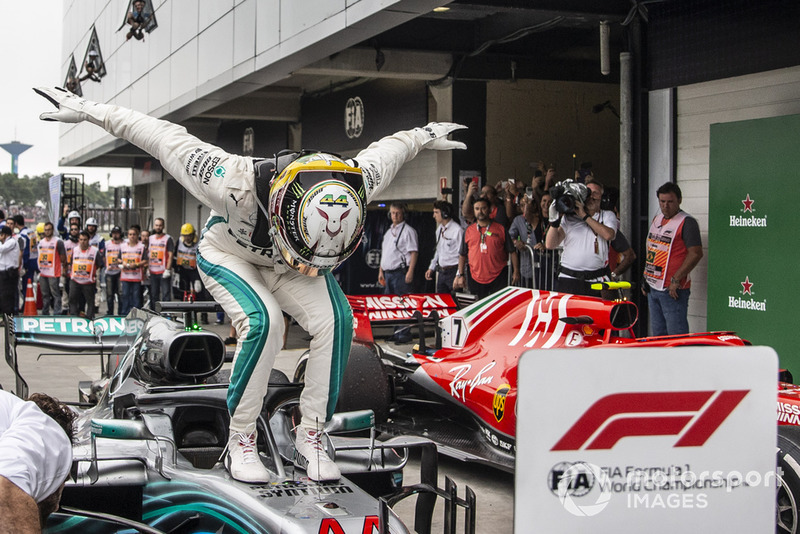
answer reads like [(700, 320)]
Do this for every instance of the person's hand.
[(381, 279), (580, 209), (519, 244), (458, 282), (511, 189), (409, 276), (66, 209), (539, 246), (71, 107), (515, 277), (438, 132), (472, 187), (429, 274), (553, 216), (673, 288)]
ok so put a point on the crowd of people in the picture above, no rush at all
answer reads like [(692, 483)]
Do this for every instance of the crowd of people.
[(512, 224), (77, 271), (562, 244)]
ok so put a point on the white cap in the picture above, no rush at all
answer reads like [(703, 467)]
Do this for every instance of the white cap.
[(91, 221)]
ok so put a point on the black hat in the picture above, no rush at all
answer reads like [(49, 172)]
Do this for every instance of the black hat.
[(116, 229)]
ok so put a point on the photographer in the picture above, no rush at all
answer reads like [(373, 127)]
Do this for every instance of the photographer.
[(577, 221)]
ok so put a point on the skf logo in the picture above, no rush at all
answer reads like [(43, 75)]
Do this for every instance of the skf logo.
[(694, 415), (499, 401)]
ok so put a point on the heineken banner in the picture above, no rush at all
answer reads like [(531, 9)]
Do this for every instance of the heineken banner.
[(753, 177)]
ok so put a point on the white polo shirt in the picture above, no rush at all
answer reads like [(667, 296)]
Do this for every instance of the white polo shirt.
[(35, 452), (398, 244)]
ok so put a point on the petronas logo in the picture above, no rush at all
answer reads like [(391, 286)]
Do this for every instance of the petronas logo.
[(297, 189)]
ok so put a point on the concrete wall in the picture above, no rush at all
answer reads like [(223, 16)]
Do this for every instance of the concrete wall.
[(532, 120), (207, 52), (754, 96)]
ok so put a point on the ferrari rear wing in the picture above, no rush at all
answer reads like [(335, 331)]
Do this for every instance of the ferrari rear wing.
[(394, 310)]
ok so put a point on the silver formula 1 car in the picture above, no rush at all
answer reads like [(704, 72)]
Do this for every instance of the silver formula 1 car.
[(147, 451)]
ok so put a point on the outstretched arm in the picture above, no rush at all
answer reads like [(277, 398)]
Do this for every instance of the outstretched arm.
[(381, 160), (203, 169)]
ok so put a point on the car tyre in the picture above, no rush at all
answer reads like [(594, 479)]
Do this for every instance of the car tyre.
[(365, 385), (788, 480)]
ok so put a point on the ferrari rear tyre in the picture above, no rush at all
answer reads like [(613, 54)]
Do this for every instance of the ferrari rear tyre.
[(788, 479), (365, 385)]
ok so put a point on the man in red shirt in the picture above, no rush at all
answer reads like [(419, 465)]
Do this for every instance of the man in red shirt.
[(486, 247), (673, 250)]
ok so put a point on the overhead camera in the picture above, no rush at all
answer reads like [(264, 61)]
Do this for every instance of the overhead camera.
[(567, 194)]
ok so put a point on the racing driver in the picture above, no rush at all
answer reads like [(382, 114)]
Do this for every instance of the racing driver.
[(277, 228)]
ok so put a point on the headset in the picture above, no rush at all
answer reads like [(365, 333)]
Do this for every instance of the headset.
[(445, 208)]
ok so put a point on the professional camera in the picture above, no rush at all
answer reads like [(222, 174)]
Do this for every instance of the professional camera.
[(567, 194)]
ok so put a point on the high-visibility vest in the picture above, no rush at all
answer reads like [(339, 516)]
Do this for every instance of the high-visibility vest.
[(49, 262), (84, 264), (131, 254)]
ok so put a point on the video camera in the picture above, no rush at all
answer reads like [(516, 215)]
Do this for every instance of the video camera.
[(567, 194)]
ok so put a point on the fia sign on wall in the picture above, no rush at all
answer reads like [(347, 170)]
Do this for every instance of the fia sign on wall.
[(657, 440)]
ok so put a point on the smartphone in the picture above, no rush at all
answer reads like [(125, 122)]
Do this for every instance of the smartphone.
[(511, 180), (529, 192)]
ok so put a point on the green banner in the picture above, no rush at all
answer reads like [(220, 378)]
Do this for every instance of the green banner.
[(754, 169)]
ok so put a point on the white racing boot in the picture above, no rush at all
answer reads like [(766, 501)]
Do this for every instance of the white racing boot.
[(311, 456), (242, 460)]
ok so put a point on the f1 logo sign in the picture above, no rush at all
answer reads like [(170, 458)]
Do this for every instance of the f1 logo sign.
[(692, 415)]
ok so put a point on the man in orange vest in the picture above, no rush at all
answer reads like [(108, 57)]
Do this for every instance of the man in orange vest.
[(52, 263), (673, 250), (86, 260), (160, 247), (134, 260)]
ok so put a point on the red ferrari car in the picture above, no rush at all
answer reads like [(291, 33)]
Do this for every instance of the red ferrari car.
[(462, 392)]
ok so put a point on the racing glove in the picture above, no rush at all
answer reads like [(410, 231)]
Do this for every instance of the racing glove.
[(166, 274), (437, 133), (71, 107), (553, 215)]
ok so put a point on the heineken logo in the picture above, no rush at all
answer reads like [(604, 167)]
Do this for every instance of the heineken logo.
[(748, 204), (747, 303), (747, 286), (748, 220)]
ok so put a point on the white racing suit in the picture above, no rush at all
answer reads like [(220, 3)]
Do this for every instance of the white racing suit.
[(251, 283)]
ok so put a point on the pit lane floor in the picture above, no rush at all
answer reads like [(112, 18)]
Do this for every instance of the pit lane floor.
[(59, 376)]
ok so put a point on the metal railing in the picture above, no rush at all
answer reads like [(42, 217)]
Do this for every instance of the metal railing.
[(544, 268)]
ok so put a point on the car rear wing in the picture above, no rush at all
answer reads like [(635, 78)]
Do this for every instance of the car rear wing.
[(64, 335), (394, 310)]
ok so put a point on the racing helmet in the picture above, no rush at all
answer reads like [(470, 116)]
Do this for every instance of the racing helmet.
[(317, 206), (187, 229)]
